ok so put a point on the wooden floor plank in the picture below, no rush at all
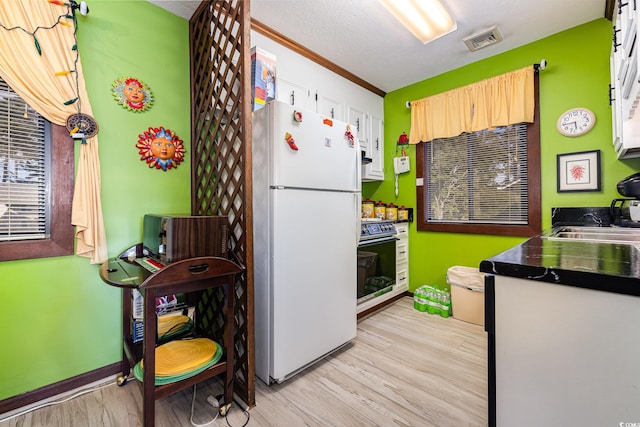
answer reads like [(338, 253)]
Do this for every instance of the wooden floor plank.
[(405, 368)]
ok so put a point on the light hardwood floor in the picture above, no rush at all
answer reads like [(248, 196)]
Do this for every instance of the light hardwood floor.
[(405, 368)]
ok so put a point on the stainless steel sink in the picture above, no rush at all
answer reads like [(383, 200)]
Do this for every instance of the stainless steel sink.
[(594, 234)]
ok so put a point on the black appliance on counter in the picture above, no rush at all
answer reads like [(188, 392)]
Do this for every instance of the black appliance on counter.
[(626, 212)]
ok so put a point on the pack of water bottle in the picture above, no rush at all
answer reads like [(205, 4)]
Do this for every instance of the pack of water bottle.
[(432, 300)]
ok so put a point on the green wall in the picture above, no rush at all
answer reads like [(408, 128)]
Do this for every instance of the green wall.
[(59, 319), (577, 75)]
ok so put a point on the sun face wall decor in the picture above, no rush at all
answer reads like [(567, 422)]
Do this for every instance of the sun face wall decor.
[(132, 94), (160, 148)]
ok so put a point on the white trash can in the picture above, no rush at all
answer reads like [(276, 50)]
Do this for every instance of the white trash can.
[(467, 293)]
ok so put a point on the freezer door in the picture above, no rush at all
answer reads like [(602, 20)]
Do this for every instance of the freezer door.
[(324, 159), (314, 279)]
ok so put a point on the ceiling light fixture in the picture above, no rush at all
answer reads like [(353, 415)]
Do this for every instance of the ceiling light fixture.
[(426, 19)]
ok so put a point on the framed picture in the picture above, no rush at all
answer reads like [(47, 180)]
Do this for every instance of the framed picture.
[(579, 171)]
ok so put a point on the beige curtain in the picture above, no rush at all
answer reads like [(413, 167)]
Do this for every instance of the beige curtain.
[(33, 77), (498, 101)]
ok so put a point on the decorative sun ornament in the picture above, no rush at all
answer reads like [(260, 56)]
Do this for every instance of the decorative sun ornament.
[(132, 94), (160, 148)]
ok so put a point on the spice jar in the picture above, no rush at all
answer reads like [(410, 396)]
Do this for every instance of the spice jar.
[(367, 209), (380, 210), (403, 213), (391, 212)]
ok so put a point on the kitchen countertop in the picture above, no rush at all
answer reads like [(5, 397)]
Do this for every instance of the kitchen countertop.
[(608, 267)]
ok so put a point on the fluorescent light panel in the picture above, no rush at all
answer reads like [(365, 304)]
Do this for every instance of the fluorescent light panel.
[(426, 19)]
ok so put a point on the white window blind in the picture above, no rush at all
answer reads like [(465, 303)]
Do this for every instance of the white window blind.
[(24, 169), (479, 177)]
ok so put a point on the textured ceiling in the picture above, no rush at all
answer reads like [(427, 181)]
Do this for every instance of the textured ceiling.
[(362, 37)]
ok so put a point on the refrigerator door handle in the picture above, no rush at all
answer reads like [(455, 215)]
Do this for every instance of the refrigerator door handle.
[(358, 165), (357, 197)]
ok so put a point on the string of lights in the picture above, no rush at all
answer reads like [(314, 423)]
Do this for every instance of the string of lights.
[(63, 19)]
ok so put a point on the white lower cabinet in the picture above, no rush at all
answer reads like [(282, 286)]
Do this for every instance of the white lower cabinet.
[(402, 257), (563, 355)]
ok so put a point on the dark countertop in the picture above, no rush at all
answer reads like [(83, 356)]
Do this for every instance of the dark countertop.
[(608, 267)]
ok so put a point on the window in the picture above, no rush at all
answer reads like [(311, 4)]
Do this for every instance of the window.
[(486, 182), (36, 182)]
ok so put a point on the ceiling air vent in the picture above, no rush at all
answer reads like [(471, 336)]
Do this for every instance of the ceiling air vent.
[(483, 39)]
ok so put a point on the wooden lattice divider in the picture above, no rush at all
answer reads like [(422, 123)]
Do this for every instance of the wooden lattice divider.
[(221, 154)]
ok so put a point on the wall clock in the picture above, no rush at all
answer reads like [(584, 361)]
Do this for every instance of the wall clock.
[(576, 121)]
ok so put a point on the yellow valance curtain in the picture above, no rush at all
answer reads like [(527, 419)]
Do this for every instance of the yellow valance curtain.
[(32, 76), (499, 101)]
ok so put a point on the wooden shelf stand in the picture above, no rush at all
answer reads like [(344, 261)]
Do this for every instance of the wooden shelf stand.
[(198, 278)]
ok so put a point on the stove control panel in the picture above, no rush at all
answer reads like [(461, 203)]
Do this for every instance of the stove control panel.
[(374, 230)]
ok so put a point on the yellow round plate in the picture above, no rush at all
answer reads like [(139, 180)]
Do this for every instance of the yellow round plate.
[(168, 325), (182, 356)]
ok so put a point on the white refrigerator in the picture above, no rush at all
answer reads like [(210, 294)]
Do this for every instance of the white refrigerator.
[(306, 222)]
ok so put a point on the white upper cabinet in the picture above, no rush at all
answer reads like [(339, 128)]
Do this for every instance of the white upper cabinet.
[(616, 111), (625, 80), (329, 107), (308, 85), (292, 93), (358, 119), (369, 128), (370, 134), (626, 52), (375, 170)]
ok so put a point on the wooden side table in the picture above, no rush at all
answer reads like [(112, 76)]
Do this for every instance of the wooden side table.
[(195, 277)]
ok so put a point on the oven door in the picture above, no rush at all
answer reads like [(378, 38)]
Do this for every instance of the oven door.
[(376, 267)]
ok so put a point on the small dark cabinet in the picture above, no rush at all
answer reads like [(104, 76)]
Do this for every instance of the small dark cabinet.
[(171, 238)]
